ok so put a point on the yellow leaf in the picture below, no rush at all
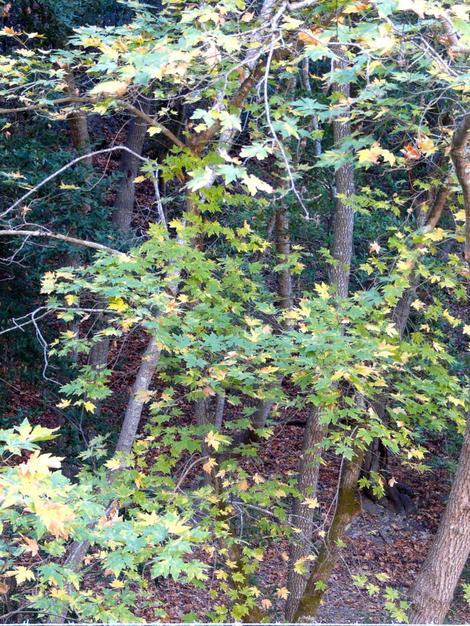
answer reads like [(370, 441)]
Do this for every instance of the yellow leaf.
[(54, 516), (67, 186), (153, 130), (214, 440), (110, 88), (117, 304), (39, 465), (138, 179), (63, 404), (89, 406), (243, 485), (323, 291), (282, 593), (71, 299), (117, 584), (426, 145), (30, 545), (312, 503), (417, 6), (113, 464), (466, 329), (266, 603), (209, 465), (21, 574)]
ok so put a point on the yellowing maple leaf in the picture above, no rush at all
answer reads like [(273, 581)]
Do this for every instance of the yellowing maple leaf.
[(117, 304), (117, 584), (266, 603), (323, 290), (209, 465), (110, 88), (54, 516), (466, 329), (30, 545), (282, 593), (39, 465), (214, 440), (312, 503), (426, 145), (113, 464), (21, 574)]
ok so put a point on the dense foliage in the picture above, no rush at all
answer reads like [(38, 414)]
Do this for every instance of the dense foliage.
[(271, 202)]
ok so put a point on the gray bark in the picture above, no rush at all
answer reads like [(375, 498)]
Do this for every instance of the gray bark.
[(435, 585)]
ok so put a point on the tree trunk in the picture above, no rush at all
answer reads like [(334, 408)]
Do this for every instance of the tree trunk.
[(129, 166), (303, 516), (341, 248), (341, 251), (435, 585), (78, 123), (347, 506), (459, 159), (282, 242)]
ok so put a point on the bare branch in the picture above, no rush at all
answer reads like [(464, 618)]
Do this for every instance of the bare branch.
[(45, 234), (83, 157)]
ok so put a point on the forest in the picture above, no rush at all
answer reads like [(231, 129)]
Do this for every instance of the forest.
[(234, 321)]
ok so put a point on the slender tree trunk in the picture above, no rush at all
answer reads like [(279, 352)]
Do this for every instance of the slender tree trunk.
[(347, 506), (342, 245), (460, 160), (129, 166), (303, 515), (282, 241), (78, 123), (341, 250), (435, 585)]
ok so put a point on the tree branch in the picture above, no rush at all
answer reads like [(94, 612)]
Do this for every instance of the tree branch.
[(83, 157), (48, 235), (152, 122), (89, 100)]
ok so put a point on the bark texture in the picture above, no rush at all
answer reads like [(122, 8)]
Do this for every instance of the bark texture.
[(129, 166), (462, 169), (347, 506), (303, 516), (342, 245), (78, 123), (435, 585)]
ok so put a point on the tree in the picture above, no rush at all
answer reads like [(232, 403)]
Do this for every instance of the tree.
[(435, 585)]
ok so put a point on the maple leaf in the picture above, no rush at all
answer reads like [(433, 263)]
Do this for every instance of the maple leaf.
[(410, 152), (266, 603), (214, 440), (374, 246), (282, 593), (209, 465), (55, 516), (426, 145), (323, 291), (243, 485), (110, 88), (30, 545), (21, 574), (117, 584), (39, 465), (311, 503)]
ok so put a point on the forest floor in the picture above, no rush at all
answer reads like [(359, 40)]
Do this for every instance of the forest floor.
[(379, 541)]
